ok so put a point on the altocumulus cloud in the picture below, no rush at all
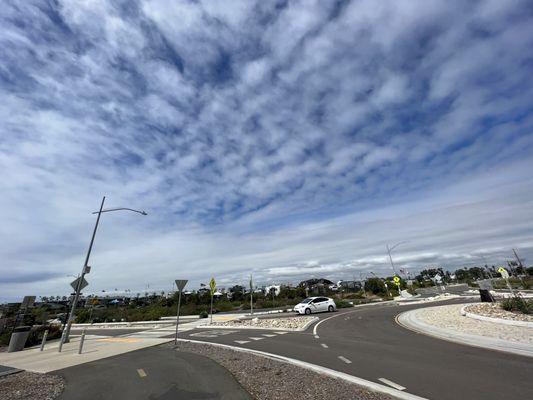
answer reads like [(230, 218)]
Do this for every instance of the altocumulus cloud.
[(285, 138)]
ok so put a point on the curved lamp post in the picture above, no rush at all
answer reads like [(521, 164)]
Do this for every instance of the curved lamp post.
[(389, 249), (86, 268)]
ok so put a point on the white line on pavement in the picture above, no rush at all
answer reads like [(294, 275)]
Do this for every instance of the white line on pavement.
[(345, 360), (374, 386), (324, 345), (391, 383), (317, 337), (268, 335), (281, 333), (242, 341), (256, 338), (141, 372)]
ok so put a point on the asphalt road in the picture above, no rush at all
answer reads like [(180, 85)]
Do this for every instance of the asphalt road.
[(153, 373), (368, 343)]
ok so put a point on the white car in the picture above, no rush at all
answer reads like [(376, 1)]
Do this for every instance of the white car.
[(314, 305)]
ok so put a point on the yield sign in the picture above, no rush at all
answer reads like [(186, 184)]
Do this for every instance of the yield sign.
[(74, 284), (180, 283)]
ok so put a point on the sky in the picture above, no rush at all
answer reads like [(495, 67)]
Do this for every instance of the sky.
[(288, 139)]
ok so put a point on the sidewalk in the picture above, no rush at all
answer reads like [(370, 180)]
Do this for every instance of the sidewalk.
[(446, 322), (95, 348)]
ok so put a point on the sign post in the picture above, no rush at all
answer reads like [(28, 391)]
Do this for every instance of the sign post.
[(212, 287), (180, 284), (251, 296), (505, 275), (397, 281)]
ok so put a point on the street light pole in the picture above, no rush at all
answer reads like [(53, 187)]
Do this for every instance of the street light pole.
[(85, 268), (83, 272), (389, 249)]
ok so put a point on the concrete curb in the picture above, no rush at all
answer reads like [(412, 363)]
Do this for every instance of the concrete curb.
[(494, 320), (375, 387), (408, 320), (302, 329)]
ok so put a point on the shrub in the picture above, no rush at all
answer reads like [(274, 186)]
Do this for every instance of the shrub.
[(204, 314), (518, 304), (343, 304)]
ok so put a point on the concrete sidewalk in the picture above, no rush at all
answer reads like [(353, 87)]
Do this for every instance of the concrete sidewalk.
[(95, 348)]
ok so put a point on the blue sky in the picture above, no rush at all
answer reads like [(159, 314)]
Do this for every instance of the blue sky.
[(291, 139)]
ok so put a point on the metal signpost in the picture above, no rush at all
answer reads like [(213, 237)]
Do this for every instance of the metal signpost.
[(251, 296), (397, 281), (213, 287), (505, 275), (180, 284)]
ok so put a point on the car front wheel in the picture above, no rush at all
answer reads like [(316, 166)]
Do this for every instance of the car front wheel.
[(331, 309), (308, 311)]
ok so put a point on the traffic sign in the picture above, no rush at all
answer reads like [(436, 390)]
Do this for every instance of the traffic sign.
[(503, 272), (180, 283), (74, 284), (212, 285), (396, 279)]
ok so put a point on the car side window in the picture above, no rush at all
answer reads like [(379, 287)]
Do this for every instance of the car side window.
[(316, 300)]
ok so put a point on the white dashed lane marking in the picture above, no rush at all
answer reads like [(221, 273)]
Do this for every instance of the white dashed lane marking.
[(256, 338), (141, 373), (345, 360), (317, 337), (267, 335), (242, 341), (324, 345), (281, 333), (391, 383)]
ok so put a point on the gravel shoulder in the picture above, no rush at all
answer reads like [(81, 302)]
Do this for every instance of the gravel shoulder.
[(449, 317), (494, 310), (267, 379), (288, 323), (29, 385)]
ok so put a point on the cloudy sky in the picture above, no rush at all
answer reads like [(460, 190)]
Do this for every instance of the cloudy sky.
[(290, 139)]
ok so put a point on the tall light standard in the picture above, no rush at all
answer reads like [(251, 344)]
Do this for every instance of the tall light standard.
[(86, 267), (389, 249)]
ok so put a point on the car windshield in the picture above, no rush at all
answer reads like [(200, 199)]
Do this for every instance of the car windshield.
[(308, 300)]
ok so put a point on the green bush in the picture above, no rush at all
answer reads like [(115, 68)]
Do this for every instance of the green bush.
[(204, 314), (518, 304), (343, 304), (37, 332)]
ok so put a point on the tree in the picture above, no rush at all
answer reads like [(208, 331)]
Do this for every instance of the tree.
[(375, 285)]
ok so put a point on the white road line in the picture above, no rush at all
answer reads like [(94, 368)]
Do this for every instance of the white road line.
[(324, 345), (241, 341), (141, 373), (391, 383), (256, 338), (281, 333), (345, 360), (267, 335), (317, 337)]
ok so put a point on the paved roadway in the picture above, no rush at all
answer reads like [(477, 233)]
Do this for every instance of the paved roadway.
[(153, 373), (367, 342)]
